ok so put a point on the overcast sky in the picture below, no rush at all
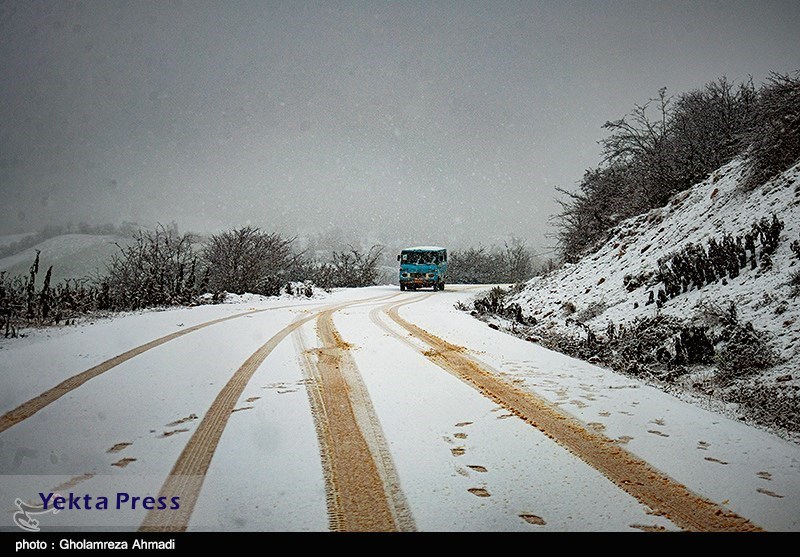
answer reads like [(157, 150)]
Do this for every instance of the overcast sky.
[(420, 122)]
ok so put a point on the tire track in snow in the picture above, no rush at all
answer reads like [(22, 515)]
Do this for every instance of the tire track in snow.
[(362, 485), (186, 478), (635, 476), (32, 406)]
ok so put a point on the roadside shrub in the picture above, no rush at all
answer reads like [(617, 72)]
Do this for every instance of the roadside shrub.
[(744, 352), (11, 303), (492, 302), (794, 282), (768, 404), (248, 259), (22, 305), (662, 341), (300, 289), (740, 349), (794, 278), (354, 268), (158, 268)]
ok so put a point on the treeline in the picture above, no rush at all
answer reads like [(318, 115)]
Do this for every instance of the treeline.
[(510, 263), (671, 143), (51, 231), (163, 267)]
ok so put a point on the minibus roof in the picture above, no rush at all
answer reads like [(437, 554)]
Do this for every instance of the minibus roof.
[(425, 248)]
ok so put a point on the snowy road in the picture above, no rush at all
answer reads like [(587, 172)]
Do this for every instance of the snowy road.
[(368, 409)]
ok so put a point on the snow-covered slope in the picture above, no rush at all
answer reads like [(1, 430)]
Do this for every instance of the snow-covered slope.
[(599, 289), (73, 256)]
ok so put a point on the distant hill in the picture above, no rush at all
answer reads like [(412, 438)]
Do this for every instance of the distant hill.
[(9, 239), (73, 256)]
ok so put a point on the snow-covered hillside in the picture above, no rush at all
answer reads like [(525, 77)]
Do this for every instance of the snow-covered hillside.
[(614, 285), (73, 256)]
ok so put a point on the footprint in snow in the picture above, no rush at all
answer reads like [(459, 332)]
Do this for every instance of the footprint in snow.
[(479, 491), (532, 519), (649, 528), (768, 492), (188, 418), (173, 432)]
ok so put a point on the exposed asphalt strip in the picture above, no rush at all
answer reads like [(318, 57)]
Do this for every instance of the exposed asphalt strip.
[(362, 485), (189, 472), (29, 408), (650, 486)]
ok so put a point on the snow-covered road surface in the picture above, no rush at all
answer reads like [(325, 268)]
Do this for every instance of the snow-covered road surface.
[(369, 409)]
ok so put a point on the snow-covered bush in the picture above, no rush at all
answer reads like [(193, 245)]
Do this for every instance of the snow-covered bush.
[(248, 259), (794, 282), (355, 268), (768, 404), (21, 304), (158, 268), (744, 352), (740, 349), (773, 138)]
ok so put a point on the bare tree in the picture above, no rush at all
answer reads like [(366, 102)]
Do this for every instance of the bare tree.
[(353, 268), (518, 263), (248, 259), (156, 269)]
